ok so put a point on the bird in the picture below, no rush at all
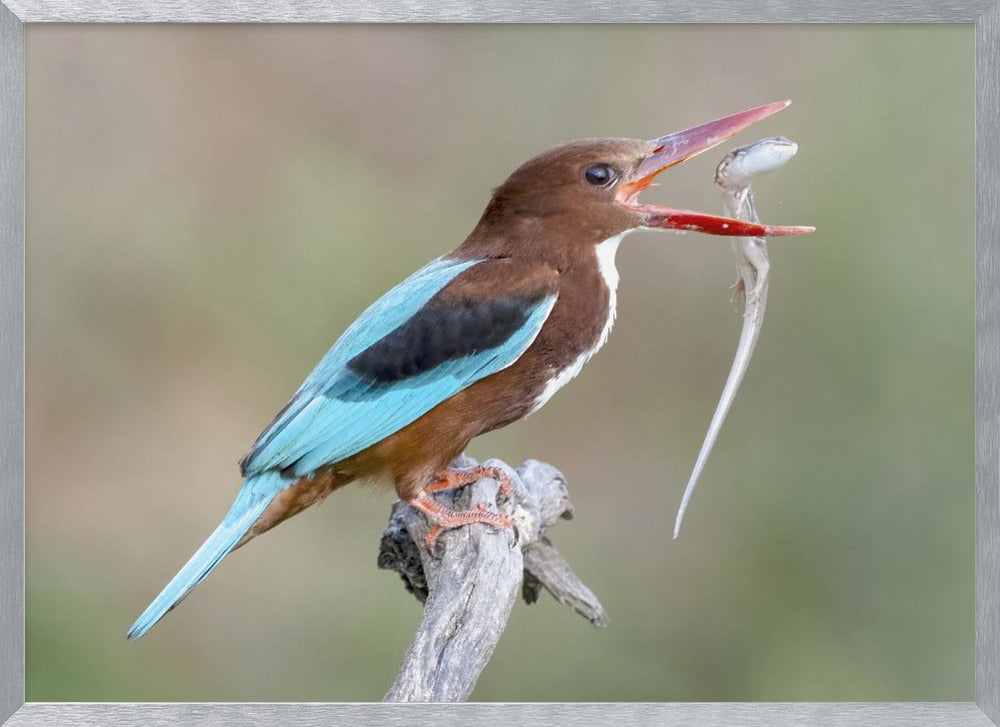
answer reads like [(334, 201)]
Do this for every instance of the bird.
[(473, 341)]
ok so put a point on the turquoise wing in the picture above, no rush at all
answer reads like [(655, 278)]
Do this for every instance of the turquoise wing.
[(402, 357)]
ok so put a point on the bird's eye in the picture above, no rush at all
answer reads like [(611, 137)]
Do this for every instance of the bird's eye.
[(600, 174)]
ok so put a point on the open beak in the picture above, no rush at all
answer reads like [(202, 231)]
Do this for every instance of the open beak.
[(671, 150)]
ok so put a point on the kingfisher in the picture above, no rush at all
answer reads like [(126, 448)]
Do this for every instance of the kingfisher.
[(475, 340)]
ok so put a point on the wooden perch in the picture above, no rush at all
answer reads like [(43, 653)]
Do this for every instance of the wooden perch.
[(469, 585)]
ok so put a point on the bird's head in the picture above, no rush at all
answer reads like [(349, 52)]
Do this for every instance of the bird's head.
[(594, 184)]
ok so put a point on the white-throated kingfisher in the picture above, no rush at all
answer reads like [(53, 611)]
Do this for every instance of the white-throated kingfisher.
[(473, 341)]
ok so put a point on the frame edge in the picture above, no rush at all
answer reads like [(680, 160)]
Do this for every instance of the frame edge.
[(525, 11), (11, 362), (988, 362), (542, 714), (12, 309)]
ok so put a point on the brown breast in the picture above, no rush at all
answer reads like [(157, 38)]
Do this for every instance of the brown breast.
[(575, 329)]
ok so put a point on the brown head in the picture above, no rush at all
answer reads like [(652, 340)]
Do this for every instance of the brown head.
[(590, 188)]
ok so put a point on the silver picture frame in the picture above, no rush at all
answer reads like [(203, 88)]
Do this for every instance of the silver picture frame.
[(985, 14)]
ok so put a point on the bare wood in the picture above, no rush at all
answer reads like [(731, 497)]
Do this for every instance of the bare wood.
[(469, 585), (544, 565)]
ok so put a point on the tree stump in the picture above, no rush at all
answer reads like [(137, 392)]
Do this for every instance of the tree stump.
[(469, 584)]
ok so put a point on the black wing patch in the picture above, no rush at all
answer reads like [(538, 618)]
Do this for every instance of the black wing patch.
[(440, 332)]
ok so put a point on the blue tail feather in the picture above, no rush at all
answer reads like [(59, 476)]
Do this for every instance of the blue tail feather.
[(250, 504)]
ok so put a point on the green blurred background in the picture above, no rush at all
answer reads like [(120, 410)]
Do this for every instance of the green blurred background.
[(209, 207)]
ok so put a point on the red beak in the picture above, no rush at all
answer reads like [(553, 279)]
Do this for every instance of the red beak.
[(672, 149)]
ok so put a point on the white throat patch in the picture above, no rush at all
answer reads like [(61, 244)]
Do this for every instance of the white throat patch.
[(606, 264)]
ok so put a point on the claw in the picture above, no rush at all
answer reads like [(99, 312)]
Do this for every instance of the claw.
[(453, 479), (432, 536), (445, 518)]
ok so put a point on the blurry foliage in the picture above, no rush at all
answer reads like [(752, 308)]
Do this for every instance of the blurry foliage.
[(209, 207)]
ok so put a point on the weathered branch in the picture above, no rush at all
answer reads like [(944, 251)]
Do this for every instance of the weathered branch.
[(469, 585)]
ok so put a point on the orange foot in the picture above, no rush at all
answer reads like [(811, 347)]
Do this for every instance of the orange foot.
[(453, 479), (445, 518)]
